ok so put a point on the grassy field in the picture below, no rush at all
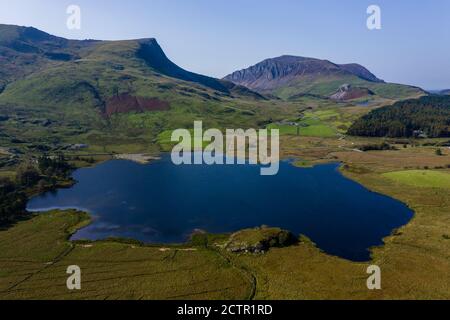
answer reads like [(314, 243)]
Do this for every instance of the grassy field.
[(35, 254), (322, 123), (421, 178), (165, 141)]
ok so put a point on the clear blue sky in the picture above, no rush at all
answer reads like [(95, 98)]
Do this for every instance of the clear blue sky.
[(216, 37)]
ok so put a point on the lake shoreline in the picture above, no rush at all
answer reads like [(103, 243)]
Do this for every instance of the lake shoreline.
[(288, 160)]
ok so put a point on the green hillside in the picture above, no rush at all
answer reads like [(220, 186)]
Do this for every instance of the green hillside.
[(25, 50), (126, 93), (120, 91), (326, 86)]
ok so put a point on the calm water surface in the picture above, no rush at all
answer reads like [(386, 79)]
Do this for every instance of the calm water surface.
[(164, 203)]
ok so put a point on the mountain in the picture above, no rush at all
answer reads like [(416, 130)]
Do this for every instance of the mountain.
[(55, 91), (23, 50), (441, 92), (287, 76), (34, 67), (89, 90), (273, 73), (428, 116), (153, 55)]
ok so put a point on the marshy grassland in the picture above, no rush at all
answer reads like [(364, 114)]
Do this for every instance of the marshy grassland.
[(415, 259), (36, 253)]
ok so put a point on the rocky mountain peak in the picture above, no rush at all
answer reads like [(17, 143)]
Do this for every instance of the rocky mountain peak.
[(273, 73)]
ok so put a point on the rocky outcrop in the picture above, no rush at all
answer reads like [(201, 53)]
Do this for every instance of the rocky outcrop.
[(348, 92), (259, 240)]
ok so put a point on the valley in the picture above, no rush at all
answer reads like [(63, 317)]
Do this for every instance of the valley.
[(91, 101)]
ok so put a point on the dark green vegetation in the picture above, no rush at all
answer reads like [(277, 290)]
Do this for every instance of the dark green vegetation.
[(29, 178), (427, 116), (375, 147), (288, 76), (12, 201)]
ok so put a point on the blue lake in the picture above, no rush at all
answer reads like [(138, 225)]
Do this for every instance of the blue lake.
[(164, 203)]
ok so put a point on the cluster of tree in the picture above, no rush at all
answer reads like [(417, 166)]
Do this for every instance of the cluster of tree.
[(375, 147), (12, 201), (428, 116), (89, 160), (54, 166), (41, 176)]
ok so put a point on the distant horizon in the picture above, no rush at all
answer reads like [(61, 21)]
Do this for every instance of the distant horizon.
[(216, 39)]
